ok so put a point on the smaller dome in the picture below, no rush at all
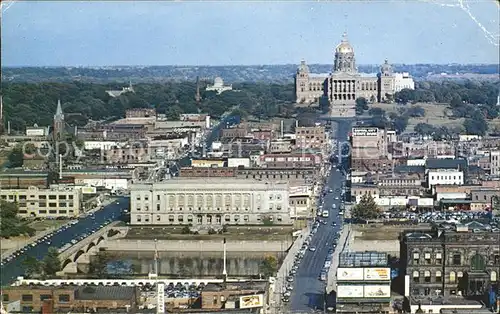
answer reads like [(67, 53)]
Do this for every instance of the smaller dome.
[(303, 66), (386, 67), (218, 81)]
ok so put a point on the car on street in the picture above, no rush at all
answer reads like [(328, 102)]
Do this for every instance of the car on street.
[(312, 248)]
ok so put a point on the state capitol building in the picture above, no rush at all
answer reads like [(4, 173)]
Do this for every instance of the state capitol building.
[(345, 84)]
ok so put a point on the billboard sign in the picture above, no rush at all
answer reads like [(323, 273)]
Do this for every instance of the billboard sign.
[(398, 201), (89, 190), (364, 131), (377, 274), (377, 291), (349, 292), (350, 274), (250, 301)]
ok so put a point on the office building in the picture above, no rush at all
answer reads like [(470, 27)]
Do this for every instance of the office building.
[(209, 201), (56, 201)]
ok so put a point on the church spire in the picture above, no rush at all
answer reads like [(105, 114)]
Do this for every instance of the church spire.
[(59, 112), (197, 97)]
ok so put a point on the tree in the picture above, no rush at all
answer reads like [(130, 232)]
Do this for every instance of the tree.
[(361, 105), (476, 126), (51, 262), (16, 157), (424, 129), (10, 224), (99, 265), (32, 267), (456, 101), (400, 123), (366, 208), (269, 266), (376, 112)]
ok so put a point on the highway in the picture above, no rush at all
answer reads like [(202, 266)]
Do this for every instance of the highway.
[(13, 269), (309, 291)]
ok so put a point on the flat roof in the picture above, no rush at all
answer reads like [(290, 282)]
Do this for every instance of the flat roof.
[(363, 259), (192, 182)]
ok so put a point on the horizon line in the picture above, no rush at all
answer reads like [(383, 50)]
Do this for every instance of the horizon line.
[(233, 65)]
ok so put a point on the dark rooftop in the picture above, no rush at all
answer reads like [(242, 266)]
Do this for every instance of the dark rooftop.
[(434, 163), (105, 293), (409, 169), (363, 259)]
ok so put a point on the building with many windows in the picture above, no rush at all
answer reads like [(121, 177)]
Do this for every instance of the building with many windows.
[(56, 201), (209, 202), (363, 283), (450, 262), (345, 84)]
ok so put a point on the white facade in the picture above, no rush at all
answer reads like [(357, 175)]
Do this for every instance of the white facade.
[(101, 145), (444, 177), (451, 196), (111, 184), (402, 81), (56, 201), (468, 137), (236, 162), (208, 202), (219, 86), (495, 162), (36, 131), (415, 162), (169, 148)]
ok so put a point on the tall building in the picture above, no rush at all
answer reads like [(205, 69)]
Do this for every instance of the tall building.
[(449, 264), (363, 283), (345, 84), (495, 162), (59, 126)]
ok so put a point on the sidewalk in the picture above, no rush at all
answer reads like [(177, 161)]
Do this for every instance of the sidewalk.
[(342, 245), (283, 271)]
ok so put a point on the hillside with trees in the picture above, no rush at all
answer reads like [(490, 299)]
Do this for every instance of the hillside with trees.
[(26, 103), (281, 74)]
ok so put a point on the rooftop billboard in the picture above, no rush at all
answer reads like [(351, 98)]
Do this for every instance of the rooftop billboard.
[(377, 274), (350, 274), (250, 301), (377, 291), (349, 292)]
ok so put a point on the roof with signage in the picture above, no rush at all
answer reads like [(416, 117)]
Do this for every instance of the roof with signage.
[(363, 259)]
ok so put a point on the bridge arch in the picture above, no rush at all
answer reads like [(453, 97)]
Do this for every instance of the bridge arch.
[(78, 254), (91, 245), (66, 262), (101, 238)]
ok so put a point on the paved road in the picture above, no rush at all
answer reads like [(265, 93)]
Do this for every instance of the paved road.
[(13, 269), (309, 291)]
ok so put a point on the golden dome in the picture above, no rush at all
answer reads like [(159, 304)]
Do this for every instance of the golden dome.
[(344, 46)]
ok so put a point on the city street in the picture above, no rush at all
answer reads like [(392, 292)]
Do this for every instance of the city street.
[(309, 291), (13, 269)]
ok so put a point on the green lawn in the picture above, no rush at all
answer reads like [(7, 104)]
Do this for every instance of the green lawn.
[(233, 233)]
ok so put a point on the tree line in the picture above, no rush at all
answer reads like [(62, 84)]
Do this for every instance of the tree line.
[(26, 104)]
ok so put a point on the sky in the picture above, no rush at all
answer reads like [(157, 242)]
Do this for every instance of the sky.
[(99, 33)]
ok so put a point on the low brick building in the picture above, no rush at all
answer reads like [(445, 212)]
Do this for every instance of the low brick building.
[(78, 299)]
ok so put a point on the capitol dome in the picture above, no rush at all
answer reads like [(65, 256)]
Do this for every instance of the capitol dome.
[(218, 81), (344, 46)]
